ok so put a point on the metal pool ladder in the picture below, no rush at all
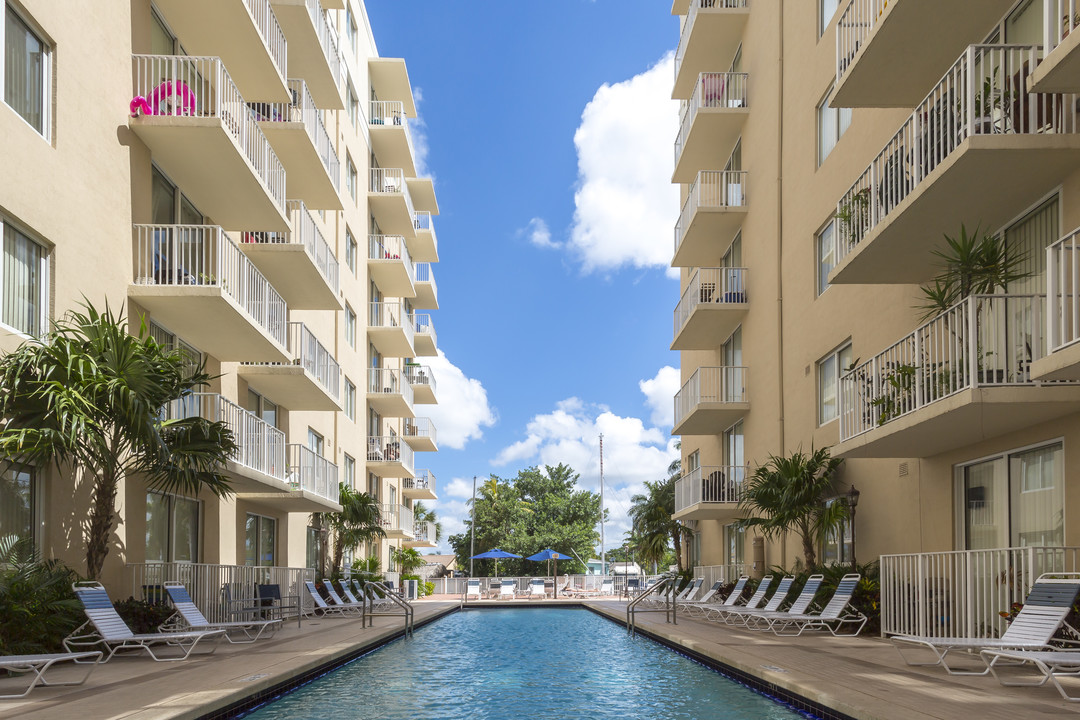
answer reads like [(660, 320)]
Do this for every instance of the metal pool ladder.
[(668, 608), (405, 607)]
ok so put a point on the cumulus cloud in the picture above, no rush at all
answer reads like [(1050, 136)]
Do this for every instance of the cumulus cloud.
[(418, 131), (660, 395), (538, 234), (463, 410), (625, 204)]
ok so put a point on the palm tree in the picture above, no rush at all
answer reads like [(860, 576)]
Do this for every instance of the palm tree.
[(656, 531), (422, 514), (790, 493), (357, 522), (89, 396)]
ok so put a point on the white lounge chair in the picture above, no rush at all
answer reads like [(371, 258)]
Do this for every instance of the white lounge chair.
[(1047, 605), (507, 589), (336, 600), (38, 665), (105, 627), (685, 605), (836, 614), (756, 619), (1051, 664), (321, 607), (717, 613), (536, 588), (472, 589), (701, 606), (189, 617), (741, 616)]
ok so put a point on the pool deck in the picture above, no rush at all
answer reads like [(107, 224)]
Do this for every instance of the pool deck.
[(857, 677)]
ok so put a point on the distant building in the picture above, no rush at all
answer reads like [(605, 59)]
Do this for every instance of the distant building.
[(438, 566)]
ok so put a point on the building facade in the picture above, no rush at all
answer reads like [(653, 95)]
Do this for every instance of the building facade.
[(240, 176)]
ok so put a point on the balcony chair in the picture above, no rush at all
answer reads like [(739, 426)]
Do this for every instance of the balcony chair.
[(189, 617), (836, 614), (717, 613), (1048, 604), (40, 664), (239, 608), (703, 605)]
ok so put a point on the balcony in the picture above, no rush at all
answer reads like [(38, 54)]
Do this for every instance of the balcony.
[(397, 521), (959, 379), (713, 305), (421, 487), (389, 394), (388, 126), (422, 192), (712, 215), (387, 456), (424, 246), (710, 493), (311, 381), (1063, 308), (195, 281), (427, 294), (1059, 70), (423, 535), (425, 335), (312, 475), (390, 80), (948, 165), (202, 134), (390, 202), (712, 121), (390, 266), (391, 330), (244, 33), (709, 38), (423, 384), (889, 53), (299, 262), (712, 400), (420, 434), (313, 51), (296, 131)]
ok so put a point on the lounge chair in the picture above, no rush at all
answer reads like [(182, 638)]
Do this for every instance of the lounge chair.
[(761, 619), (189, 617), (836, 614), (1052, 664), (1047, 605), (371, 593), (336, 601), (507, 589), (105, 627), (688, 592), (707, 597), (703, 605), (633, 587), (536, 589), (743, 616), (472, 588), (321, 607), (271, 602), (718, 612), (40, 664)]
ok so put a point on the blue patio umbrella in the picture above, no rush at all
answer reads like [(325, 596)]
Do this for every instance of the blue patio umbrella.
[(495, 554), (550, 554)]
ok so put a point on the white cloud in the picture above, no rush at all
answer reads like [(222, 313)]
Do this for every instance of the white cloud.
[(458, 487), (625, 204), (463, 409), (538, 233), (660, 395), (418, 131)]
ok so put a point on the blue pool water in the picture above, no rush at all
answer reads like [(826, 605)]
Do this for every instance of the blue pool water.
[(524, 664)]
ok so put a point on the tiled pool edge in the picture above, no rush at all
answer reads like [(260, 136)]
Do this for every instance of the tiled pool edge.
[(795, 694)]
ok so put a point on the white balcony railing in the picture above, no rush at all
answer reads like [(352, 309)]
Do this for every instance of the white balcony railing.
[(1063, 291), (388, 381), (391, 247), (691, 16), (984, 93), (424, 532), (854, 27), (200, 87), (301, 109), (270, 31), (711, 385), (982, 341), (709, 484), (391, 180), (391, 112), (420, 375), (1061, 17), (389, 449), (312, 472), (309, 353), (716, 286), (420, 427), (422, 221), (726, 574), (203, 255), (304, 232), (422, 480), (391, 315), (423, 325), (713, 90), (327, 38), (259, 446), (396, 518), (712, 190), (961, 593)]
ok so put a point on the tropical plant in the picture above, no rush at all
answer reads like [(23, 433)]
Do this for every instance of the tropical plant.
[(407, 559), (89, 396), (790, 493), (37, 605), (142, 616), (655, 532), (367, 570), (423, 514), (357, 522)]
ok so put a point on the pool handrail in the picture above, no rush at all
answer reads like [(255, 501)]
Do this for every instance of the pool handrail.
[(374, 589), (668, 607)]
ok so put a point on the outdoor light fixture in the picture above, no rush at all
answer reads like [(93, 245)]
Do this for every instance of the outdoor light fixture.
[(852, 502)]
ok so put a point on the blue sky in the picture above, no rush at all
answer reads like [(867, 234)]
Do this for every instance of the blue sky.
[(556, 300)]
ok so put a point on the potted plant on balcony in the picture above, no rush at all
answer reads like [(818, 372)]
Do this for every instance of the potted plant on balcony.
[(854, 216)]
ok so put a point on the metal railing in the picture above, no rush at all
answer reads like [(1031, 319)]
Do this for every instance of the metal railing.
[(982, 341), (304, 232), (691, 16), (191, 86), (854, 27), (713, 90), (667, 607), (1063, 291), (309, 353), (422, 480), (984, 93), (391, 247), (710, 484), (259, 445), (389, 448), (712, 189), (420, 427), (392, 180), (422, 221), (423, 325), (388, 381), (424, 532), (223, 593), (961, 593), (725, 574), (575, 583), (1061, 18), (270, 32), (391, 112), (424, 274), (396, 518), (420, 375), (718, 286), (312, 472), (391, 315), (377, 591), (302, 109), (327, 38), (203, 255), (726, 384)]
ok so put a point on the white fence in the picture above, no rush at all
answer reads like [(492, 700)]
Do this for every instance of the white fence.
[(392, 180), (302, 109), (710, 484), (190, 86), (327, 38), (490, 586), (721, 286), (725, 384), (423, 324), (391, 247), (713, 190), (270, 31), (960, 593), (1063, 291), (387, 381), (389, 448), (984, 93), (855, 25), (424, 532), (204, 255), (313, 357), (420, 375), (726, 574), (304, 232), (223, 592), (396, 518), (422, 480), (982, 341), (713, 90), (391, 315), (312, 472), (425, 275), (420, 427), (1060, 18), (691, 16), (391, 112)]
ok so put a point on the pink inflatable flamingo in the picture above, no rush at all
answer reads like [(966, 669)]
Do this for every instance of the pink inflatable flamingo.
[(140, 106), (173, 98)]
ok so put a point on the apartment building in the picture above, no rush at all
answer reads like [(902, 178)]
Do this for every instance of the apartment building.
[(240, 175), (825, 151)]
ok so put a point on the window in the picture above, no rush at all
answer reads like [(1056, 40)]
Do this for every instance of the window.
[(837, 547), (18, 511), (350, 400), (349, 471), (172, 528), (826, 255), (350, 178), (170, 342), (734, 449), (262, 408), (23, 282), (830, 368), (260, 540), (350, 327), (373, 486), (354, 109), (350, 29), (734, 544), (26, 71), (350, 251), (314, 546), (315, 442), (826, 10), (693, 462), (832, 123)]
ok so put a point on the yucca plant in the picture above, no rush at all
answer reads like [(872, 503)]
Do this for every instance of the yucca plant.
[(37, 605)]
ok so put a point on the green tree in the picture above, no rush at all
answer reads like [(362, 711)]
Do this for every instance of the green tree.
[(407, 559), (790, 493), (357, 522), (88, 396), (656, 533), (974, 264), (423, 514)]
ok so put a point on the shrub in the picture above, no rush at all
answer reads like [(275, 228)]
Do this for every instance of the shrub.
[(37, 605), (867, 597), (141, 616)]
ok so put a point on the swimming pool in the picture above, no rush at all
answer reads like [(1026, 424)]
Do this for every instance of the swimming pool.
[(524, 663)]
